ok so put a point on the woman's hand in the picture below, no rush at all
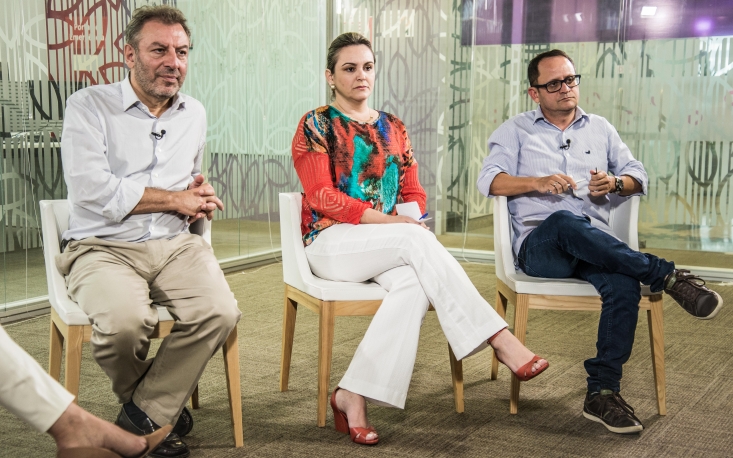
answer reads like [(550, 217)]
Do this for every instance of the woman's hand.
[(372, 216)]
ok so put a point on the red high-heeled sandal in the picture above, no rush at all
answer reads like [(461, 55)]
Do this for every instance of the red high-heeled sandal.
[(358, 435), (524, 373)]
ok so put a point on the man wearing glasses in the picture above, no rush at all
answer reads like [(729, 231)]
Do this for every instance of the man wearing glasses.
[(557, 164)]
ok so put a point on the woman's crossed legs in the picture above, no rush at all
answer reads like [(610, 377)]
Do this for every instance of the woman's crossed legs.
[(416, 270)]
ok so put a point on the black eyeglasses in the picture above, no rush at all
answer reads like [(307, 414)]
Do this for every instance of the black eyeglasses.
[(555, 85)]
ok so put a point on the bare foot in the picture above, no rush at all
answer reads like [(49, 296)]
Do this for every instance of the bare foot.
[(513, 353), (78, 428), (354, 406)]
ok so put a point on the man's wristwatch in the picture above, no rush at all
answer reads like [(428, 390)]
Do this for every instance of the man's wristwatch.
[(619, 184)]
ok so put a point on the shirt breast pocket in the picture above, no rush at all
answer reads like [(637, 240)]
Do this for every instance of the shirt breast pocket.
[(594, 155)]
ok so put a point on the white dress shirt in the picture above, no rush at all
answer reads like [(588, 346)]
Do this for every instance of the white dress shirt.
[(110, 155), (528, 145)]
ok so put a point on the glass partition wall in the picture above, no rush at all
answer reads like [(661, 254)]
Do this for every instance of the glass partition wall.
[(257, 67), (452, 70), (30, 167)]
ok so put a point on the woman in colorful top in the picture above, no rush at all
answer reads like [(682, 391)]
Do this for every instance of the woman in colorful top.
[(356, 164)]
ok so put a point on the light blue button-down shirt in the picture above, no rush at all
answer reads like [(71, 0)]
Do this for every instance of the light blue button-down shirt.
[(528, 145), (110, 156)]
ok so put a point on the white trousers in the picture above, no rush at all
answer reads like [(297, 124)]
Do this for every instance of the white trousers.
[(416, 270), (26, 390)]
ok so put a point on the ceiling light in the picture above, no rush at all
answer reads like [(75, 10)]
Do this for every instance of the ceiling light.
[(648, 11), (703, 25)]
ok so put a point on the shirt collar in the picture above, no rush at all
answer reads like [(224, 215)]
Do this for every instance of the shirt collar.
[(130, 99), (179, 102), (579, 114)]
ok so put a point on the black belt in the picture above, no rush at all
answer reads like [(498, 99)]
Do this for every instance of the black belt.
[(65, 242)]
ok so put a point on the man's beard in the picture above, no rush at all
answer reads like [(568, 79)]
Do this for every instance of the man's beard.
[(147, 84)]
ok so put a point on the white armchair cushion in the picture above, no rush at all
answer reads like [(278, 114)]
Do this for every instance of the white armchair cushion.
[(624, 219), (296, 270)]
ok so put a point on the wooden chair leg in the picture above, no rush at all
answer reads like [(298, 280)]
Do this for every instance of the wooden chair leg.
[(289, 314), (231, 367), (74, 341), (325, 347), (655, 318), (56, 349), (501, 304), (456, 369), (521, 313), (195, 398)]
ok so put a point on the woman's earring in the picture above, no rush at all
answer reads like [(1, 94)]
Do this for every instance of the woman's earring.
[(333, 86)]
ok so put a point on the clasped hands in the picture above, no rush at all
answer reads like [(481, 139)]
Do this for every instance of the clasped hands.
[(600, 183), (199, 200)]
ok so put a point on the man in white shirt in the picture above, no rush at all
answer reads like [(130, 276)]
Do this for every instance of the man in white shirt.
[(132, 154)]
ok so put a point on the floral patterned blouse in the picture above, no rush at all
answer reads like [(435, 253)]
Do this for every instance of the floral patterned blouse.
[(346, 167)]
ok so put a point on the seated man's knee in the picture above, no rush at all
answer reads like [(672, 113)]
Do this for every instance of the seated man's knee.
[(113, 300), (123, 327), (561, 216), (225, 313), (566, 223), (121, 310)]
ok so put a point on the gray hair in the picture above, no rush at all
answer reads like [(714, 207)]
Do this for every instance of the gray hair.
[(161, 13)]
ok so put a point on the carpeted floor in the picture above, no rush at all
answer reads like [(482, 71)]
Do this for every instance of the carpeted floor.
[(699, 361)]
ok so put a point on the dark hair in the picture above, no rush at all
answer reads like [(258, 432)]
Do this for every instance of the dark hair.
[(342, 41), (161, 13), (533, 72)]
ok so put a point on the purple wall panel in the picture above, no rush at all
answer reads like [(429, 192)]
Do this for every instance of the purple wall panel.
[(572, 21)]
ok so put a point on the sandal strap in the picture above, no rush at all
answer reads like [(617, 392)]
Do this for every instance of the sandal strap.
[(359, 435)]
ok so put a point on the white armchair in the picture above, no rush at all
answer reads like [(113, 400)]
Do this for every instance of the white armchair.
[(527, 292), (328, 299), (71, 325)]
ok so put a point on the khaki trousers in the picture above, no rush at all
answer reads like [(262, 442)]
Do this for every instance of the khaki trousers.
[(116, 284)]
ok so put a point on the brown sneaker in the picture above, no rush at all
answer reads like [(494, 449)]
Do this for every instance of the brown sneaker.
[(609, 409), (691, 293)]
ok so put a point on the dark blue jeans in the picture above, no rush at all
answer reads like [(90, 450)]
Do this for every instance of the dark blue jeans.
[(566, 245)]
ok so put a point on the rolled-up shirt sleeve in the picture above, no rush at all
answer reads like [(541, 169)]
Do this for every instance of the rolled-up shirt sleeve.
[(91, 183), (622, 162), (503, 150)]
